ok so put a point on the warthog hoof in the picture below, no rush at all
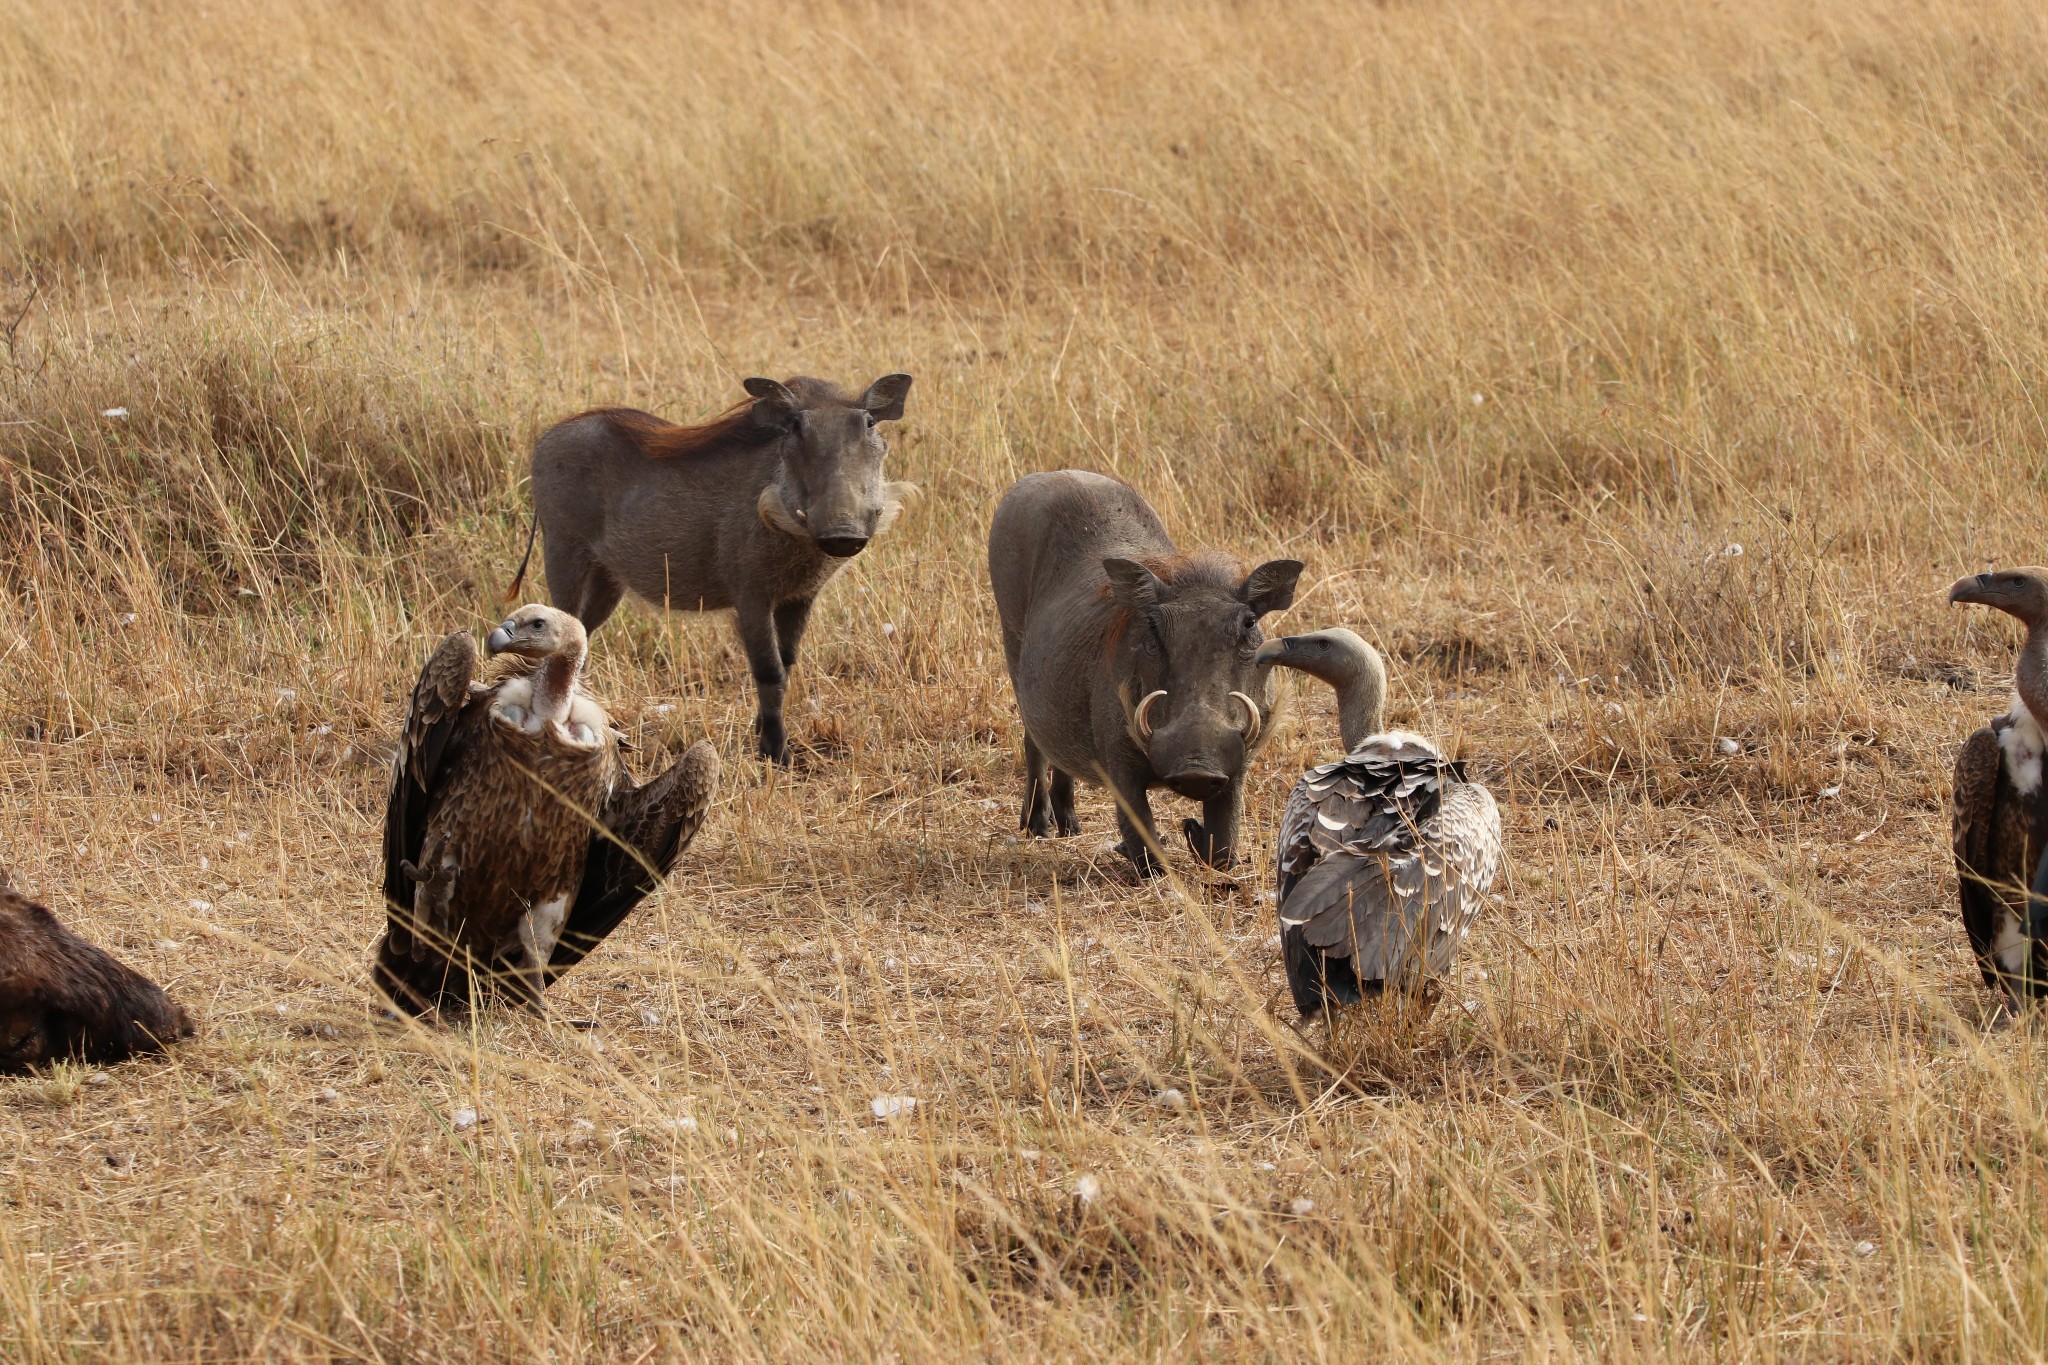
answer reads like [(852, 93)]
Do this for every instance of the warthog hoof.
[(1036, 817), (772, 744), (1210, 853), (1139, 855)]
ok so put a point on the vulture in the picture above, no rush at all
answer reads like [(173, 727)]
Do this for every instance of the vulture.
[(1999, 816), (1386, 854), (515, 839), (62, 997)]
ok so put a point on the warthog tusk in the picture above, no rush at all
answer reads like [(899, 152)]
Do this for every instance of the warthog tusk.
[(1138, 717), (1250, 729)]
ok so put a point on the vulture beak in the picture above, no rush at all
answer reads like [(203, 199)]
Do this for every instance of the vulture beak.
[(500, 640), (1273, 651), (1970, 589)]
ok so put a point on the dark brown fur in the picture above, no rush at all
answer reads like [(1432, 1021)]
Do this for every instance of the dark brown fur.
[(62, 997)]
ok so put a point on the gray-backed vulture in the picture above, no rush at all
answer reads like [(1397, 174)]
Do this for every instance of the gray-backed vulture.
[(62, 997), (1999, 814), (515, 840), (1385, 855)]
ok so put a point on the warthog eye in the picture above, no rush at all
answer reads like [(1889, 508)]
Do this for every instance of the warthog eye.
[(873, 421)]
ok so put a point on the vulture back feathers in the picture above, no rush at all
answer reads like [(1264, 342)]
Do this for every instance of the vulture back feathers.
[(515, 839), (1386, 855)]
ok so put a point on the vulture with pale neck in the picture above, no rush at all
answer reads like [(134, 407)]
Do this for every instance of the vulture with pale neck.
[(515, 839), (2000, 816), (1386, 854)]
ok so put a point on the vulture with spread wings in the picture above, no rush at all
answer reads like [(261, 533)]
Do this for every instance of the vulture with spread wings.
[(515, 839), (1386, 855)]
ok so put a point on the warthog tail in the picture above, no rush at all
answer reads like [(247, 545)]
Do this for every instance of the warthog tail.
[(510, 594)]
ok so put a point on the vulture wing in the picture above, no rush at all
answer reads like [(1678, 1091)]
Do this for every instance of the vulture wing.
[(1385, 857), (649, 827), (1974, 808), (431, 725)]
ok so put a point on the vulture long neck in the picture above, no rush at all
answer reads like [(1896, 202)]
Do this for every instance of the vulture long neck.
[(554, 688), (1361, 701), (2030, 675)]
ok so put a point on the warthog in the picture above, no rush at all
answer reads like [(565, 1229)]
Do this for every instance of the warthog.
[(1132, 663), (61, 997), (752, 510)]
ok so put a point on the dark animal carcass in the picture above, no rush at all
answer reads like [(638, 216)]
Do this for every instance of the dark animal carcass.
[(60, 997)]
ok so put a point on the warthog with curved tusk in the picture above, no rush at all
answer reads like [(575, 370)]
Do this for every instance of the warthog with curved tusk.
[(754, 510), (1133, 663)]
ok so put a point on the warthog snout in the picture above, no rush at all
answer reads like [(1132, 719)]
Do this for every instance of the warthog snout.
[(1198, 784), (1196, 749), (843, 544)]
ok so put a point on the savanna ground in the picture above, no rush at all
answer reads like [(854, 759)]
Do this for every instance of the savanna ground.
[(1636, 375)]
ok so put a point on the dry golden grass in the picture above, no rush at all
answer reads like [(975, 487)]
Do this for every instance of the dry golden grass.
[(1513, 319)]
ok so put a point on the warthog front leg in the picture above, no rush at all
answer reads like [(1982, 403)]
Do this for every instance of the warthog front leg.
[(1134, 822), (764, 657), (1214, 837), (790, 619)]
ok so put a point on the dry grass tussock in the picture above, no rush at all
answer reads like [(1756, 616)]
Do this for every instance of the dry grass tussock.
[(1512, 319)]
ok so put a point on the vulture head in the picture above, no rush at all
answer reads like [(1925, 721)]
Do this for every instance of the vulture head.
[(537, 632), (1348, 664), (2017, 592)]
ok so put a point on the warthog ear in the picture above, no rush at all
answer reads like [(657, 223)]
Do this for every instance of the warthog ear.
[(895, 497), (1133, 585), (1270, 587), (884, 398), (773, 400), (775, 513)]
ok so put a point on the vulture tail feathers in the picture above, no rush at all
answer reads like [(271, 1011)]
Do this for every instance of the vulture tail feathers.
[(1317, 979), (417, 987), (1372, 911), (420, 972), (646, 830)]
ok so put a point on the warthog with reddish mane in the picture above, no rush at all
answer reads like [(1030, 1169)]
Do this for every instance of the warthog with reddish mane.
[(753, 510)]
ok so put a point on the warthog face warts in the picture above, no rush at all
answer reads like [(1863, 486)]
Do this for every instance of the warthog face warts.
[(1189, 675), (830, 488)]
